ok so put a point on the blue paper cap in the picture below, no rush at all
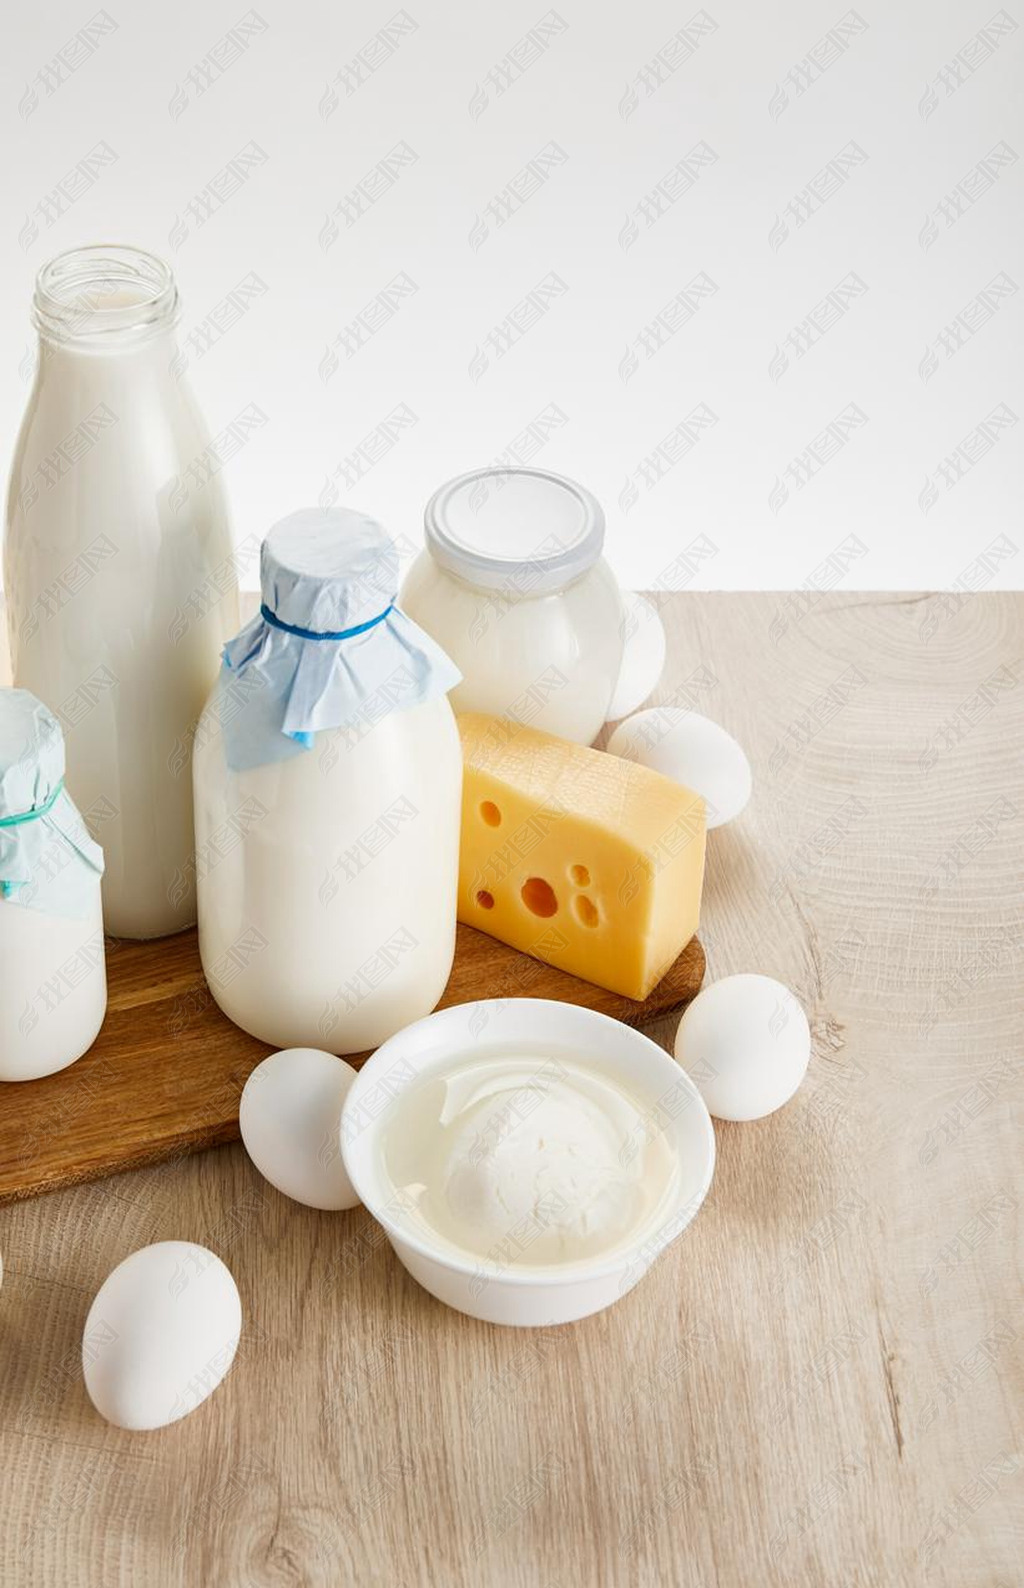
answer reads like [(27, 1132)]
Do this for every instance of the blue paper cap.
[(328, 571)]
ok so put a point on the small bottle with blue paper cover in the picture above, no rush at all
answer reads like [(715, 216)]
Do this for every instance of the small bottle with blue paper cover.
[(53, 983), (328, 782)]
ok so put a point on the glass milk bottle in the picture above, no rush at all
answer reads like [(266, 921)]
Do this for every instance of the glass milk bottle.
[(53, 986), (118, 568), (328, 785)]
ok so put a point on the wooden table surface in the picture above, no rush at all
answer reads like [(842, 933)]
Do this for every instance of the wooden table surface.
[(819, 1384)]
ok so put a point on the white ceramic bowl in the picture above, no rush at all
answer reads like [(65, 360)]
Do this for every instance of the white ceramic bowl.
[(557, 1293)]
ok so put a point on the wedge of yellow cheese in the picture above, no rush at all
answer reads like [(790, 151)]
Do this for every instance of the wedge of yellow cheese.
[(582, 859)]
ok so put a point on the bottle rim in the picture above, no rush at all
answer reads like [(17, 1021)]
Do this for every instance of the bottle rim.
[(104, 293)]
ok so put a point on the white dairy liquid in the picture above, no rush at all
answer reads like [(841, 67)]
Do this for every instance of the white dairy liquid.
[(526, 1159), (551, 661), (327, 882), (53, 988), (121, 588)]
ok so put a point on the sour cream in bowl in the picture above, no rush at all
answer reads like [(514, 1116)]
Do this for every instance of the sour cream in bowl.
[(527, 1159)]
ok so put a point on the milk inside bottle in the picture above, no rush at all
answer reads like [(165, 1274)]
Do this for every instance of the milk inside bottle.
[(53, 989), (118, 568), (328, 782)]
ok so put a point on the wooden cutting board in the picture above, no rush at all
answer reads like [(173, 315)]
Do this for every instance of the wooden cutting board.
[(164, 1076)]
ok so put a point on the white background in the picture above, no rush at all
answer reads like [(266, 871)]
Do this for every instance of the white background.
[(172, 93)]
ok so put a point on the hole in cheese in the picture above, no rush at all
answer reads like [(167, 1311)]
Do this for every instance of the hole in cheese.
[(485, 899), (539, 896), (586, 910), (580, 876), (490, 813)]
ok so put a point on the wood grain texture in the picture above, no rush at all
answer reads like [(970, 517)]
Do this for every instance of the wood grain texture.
[(818, 1386), (166, 1072)]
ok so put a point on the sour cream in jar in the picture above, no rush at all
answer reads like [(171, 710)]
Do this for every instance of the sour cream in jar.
[(514, 587)]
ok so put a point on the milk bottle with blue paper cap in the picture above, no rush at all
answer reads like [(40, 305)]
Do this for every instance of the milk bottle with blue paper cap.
[(53, 986), (328, 785)]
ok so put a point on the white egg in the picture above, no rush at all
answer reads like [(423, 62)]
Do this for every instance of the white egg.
[(693, 751), (643, 656), (160, 1335), (745, 1043), (290, 1118)]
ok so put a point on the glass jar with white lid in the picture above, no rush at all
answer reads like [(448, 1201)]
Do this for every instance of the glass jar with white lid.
[(514, 586), (328, 786)]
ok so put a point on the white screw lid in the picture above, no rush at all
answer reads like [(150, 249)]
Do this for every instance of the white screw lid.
[(522, 531)]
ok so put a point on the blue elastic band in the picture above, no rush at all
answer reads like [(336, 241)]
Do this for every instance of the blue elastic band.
[(313, 634), (34, 815)]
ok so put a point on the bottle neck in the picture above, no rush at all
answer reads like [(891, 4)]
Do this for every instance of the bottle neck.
[(104, 299)]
